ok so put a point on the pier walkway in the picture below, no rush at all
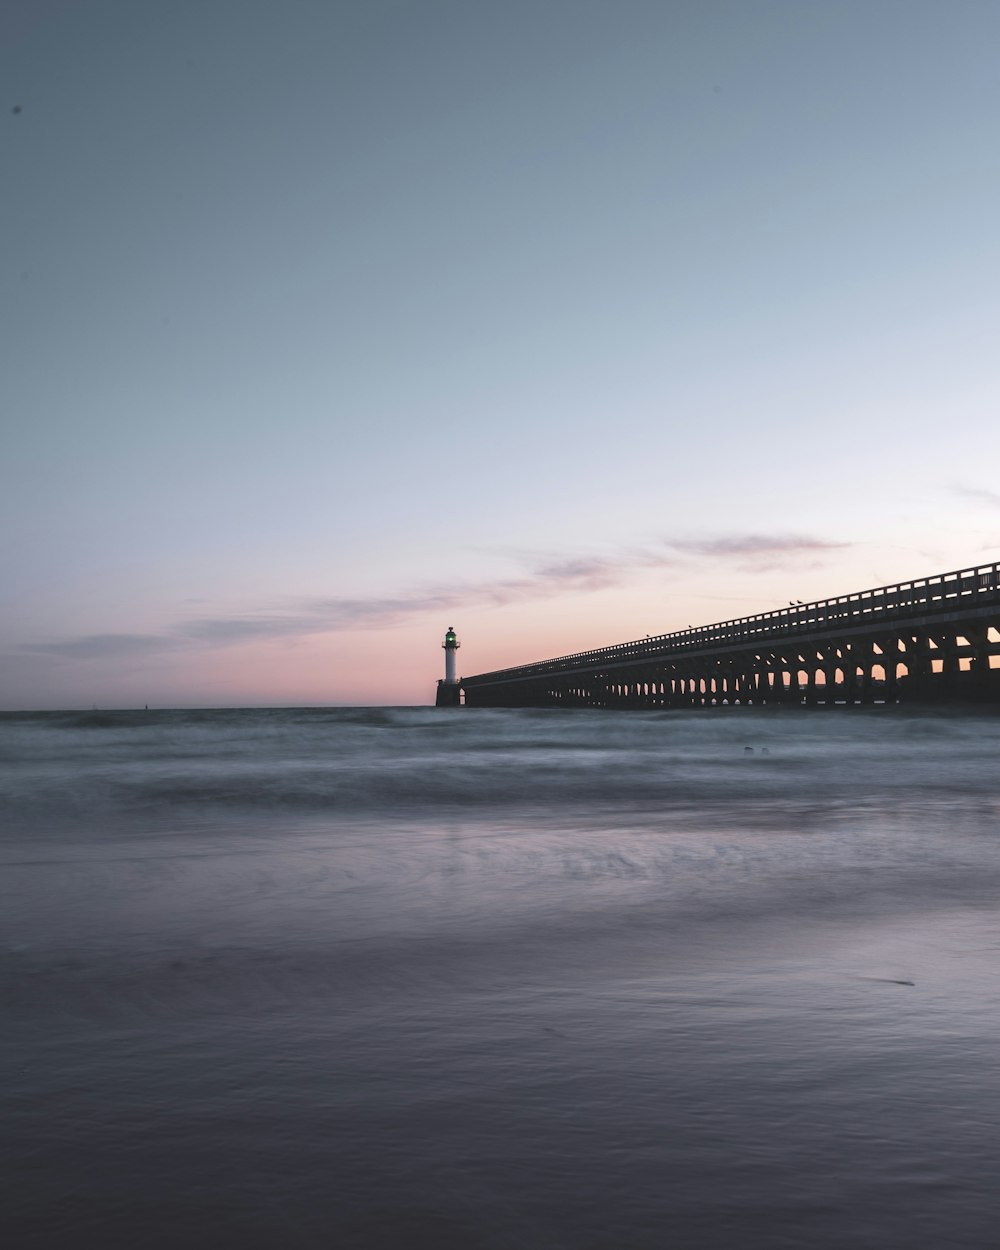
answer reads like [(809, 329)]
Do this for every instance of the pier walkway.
[(934, 639)]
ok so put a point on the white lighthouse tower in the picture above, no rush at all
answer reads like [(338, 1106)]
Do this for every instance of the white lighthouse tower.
[(449, 690), (451, 645)]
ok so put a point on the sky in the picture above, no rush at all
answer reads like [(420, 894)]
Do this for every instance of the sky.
[(328, 325)]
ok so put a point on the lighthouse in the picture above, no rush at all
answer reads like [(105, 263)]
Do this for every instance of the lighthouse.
[(449, 691)]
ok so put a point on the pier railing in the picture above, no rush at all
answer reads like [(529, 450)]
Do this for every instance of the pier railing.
[(947, 592)]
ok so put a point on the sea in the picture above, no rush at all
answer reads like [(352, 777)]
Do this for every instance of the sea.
[(496, 979)]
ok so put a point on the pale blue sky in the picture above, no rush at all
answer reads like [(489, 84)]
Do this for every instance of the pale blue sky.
[(326, 322)]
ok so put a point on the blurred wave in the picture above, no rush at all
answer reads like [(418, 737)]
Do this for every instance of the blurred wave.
[(155, 765)]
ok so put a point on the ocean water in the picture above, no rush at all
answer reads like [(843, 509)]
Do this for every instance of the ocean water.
[(496, 979)]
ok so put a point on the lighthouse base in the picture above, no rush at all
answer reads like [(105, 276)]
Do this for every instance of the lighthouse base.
[(449, 694)]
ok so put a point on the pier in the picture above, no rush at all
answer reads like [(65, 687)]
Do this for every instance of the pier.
[(933, 640)]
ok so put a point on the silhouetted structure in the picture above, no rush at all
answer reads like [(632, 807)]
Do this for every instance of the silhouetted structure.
[(932, 640)]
